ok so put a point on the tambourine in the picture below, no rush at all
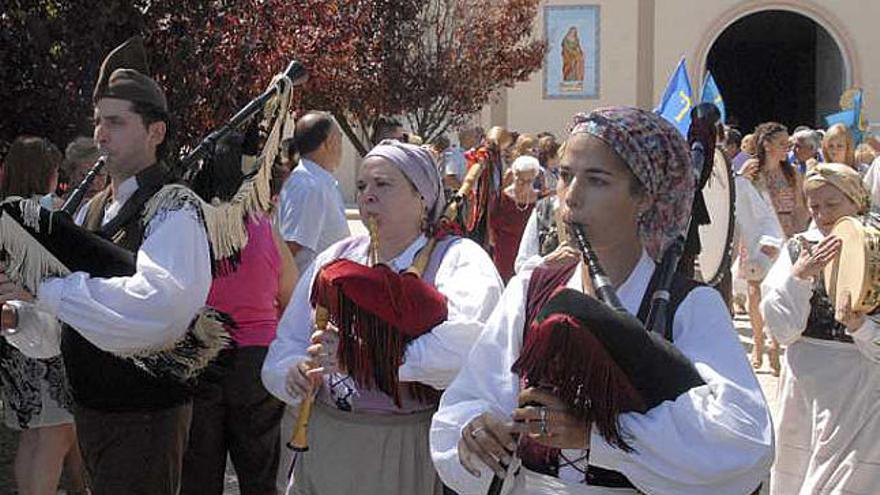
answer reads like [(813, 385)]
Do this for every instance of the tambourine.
[(856, 271)]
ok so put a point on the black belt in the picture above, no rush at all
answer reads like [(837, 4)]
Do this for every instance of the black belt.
[(607, 478)]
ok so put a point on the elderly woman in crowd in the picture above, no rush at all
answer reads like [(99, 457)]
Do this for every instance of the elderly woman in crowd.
[(363, 439), (806, 144), (511, 213), (545, 230), (711, 435), (829, 417)]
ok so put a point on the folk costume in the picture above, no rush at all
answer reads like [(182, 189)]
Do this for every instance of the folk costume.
[(130, 290), (829, 416), (402, 341), (680, 413)]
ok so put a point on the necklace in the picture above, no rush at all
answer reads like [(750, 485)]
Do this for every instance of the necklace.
[(521, 206)]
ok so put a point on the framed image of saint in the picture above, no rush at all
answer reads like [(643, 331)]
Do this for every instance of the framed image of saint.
[(571, 64)]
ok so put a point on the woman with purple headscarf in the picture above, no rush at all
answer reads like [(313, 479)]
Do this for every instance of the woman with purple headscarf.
[(624, 422), (362, 440)]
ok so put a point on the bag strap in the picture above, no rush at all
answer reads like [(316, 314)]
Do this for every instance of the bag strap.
[(681, 287)]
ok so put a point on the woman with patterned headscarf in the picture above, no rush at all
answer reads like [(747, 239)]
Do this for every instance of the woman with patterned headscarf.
[(582, 395), (829, 416), (370, 436)]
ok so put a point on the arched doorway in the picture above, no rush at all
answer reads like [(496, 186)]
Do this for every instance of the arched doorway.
[(777, 65)]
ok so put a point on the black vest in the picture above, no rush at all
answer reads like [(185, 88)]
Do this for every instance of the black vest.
[(98, 379), (821, 323)]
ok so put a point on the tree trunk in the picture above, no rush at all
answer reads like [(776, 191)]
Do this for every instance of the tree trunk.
[(353, 136)]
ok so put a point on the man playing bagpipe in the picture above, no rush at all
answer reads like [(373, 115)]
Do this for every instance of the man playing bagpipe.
[(566, 387), (134, 331), (404, 307)]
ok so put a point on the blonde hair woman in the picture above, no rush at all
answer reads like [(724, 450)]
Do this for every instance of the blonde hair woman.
[(838, 146)]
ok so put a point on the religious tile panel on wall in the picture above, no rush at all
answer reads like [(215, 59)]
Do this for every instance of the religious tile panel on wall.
[(571, 64)]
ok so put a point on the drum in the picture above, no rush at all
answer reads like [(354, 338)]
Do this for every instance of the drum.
[(857, 270), (716, 238)]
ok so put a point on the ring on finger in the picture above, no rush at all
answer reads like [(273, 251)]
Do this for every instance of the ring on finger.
[(543, 420), (476, 431)]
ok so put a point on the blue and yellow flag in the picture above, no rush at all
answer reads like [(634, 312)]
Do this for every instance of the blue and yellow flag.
[(711, 94), (678, 99), (851, 118)]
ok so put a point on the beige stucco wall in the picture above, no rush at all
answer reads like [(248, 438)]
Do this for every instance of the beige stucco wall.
[(641, 41), (524, 109)]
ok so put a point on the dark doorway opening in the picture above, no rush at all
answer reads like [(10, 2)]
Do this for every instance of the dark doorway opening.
[(777, 65)]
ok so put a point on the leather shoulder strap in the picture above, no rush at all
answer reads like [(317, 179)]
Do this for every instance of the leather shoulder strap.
[(95, 210)]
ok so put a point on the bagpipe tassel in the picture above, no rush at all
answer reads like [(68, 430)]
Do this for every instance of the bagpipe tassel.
[(595, 387)]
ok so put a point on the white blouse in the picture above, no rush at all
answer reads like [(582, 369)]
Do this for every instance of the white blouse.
[(714, 439), (466, 276), (758, 226)]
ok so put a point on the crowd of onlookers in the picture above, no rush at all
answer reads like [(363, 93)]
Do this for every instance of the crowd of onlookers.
[(772, 167)]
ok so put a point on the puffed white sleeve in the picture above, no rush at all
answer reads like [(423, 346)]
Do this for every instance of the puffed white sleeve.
[(38, 334), (717, 435), (528, 245), (867, 338), (472, 286), (150, 308), (485, 384), (291, 339), (785, 301)]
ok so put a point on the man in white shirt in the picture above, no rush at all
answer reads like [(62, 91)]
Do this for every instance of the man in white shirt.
[(132, 422), (311, 213)]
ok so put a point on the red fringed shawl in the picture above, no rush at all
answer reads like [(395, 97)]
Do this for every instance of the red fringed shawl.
[(378, 312)]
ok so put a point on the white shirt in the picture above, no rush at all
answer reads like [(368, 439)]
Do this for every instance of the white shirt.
[(454, 162), (466, 276), (758, 226), (529, 245), (311, 212), (149, 309), (714, 439), (872, 182)]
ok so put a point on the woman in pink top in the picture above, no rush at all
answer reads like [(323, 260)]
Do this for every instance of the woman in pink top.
[(232, 413)]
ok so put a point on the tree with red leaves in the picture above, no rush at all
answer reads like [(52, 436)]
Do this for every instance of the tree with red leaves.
[(433, 62)]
